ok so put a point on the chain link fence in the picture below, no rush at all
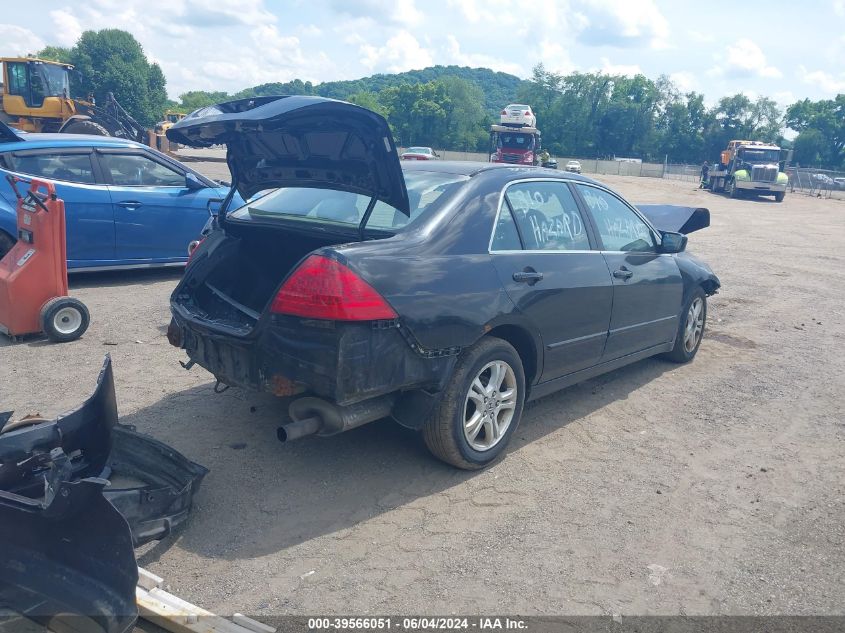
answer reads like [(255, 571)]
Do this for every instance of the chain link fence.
[(814, 182), (820, 183)]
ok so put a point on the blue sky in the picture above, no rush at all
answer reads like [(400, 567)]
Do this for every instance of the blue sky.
[(772, 48)]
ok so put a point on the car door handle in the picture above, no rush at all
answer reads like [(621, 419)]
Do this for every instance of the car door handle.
[(623, 273), (529, 277), (130, 204)]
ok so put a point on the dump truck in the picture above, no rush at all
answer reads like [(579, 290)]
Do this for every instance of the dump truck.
[(749, 168), (36, 98)]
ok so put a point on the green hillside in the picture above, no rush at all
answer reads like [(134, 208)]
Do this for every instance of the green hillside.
[(498, 89)]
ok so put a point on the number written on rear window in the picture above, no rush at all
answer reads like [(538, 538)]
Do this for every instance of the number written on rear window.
[(548, 217)]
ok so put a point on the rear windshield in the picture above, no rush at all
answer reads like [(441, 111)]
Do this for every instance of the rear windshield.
[(327, 206)]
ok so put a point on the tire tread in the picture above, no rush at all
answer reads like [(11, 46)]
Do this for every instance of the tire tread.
[(437, 432)]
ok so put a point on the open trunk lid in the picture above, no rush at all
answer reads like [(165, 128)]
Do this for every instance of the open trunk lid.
[(301, 141), (676, 218)]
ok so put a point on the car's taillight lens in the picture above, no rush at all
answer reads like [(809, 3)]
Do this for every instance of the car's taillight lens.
[(527, 113), (321, 288), (504, 111), (192, 248)]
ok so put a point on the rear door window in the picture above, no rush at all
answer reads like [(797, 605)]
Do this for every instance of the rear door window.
[(66, 167), (137, 170), (548, 216)]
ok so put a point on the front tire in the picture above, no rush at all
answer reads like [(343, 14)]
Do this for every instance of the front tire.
[(779, 196), (481, 408), (690, 329), (85, 126), (64, 319), (733, 192)]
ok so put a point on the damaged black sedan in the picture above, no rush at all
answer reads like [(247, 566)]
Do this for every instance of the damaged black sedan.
[(443, 295)]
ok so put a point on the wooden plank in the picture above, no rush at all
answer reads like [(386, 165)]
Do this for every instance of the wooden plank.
[(179, 616), (252, 625), (148, 580)]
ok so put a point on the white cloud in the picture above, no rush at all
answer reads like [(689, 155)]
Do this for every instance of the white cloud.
[(554, 55), (453, 54), (623, 24), (744, 59), (226, 13), (66, 27), (784, 98), (702, 38), (401, 12), (16, 40), (628, 70), (400, 53), (839, 8), (684, 80), (826, 82), (310, 30)]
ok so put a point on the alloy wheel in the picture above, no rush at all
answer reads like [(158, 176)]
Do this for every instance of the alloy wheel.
[(695, 324), (490, 405)]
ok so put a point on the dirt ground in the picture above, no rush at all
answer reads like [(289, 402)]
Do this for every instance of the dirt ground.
[(710, 488)]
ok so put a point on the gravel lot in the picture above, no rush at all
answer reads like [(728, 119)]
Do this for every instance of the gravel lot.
[(710, 488)]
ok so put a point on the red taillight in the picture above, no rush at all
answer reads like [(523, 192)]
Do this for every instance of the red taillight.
[(321, 288), (192, 248), (504, 111), (527, 113)]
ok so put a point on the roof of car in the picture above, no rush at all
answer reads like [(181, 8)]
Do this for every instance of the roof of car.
[(471, 168), (37, 140)]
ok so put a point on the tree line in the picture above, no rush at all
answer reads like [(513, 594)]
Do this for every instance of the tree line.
[(591, 115), (113, 61)]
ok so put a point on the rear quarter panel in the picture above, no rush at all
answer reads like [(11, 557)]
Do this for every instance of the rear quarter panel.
[(440, 277)]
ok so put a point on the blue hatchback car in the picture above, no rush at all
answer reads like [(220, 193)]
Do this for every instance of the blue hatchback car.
[(126, 205)]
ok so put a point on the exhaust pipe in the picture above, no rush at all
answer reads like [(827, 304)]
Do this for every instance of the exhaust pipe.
[(300, 428), (317, 416)]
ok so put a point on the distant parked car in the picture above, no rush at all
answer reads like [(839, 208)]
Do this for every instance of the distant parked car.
[(518, 115), (839, 182), (419, 153), (126, 205), (573, 166)]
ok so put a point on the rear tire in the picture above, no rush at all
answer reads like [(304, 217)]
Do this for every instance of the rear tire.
[(733, 192), (85, 126), (688, 338), (6, 243), (481, 408), (64, 319)]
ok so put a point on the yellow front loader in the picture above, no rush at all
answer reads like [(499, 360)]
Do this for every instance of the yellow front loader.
[(36, 98)]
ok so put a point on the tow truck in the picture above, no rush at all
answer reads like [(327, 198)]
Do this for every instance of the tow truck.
[(749, 167)]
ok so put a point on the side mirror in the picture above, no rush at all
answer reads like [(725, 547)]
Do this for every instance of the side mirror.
[(672, 242), (193, 183)]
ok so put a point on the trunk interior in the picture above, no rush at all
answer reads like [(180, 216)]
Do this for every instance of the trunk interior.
[(236, 283)]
